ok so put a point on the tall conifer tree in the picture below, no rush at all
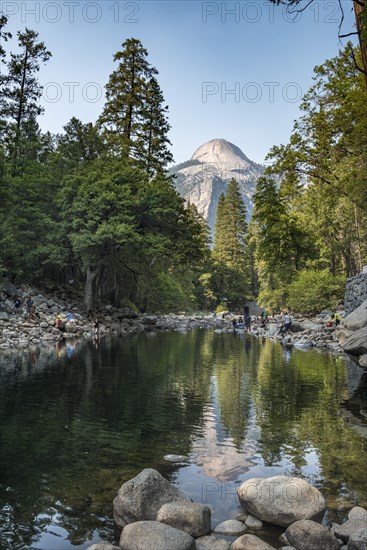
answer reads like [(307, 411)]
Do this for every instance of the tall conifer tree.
[(232, 277), (21, 91), (134, 118)]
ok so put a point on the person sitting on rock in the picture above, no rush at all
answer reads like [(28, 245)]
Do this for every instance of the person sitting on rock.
[(71, 319), (337, 318), (58, 321)]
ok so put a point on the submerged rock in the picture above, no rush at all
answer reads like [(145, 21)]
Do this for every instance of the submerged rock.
[(103, 546), (230, 527), (176, 458)]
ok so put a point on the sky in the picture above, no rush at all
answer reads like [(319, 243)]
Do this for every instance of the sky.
[(235, 70)]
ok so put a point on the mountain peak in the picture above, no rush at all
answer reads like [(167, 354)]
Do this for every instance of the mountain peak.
[(202, 179), (221, 151)]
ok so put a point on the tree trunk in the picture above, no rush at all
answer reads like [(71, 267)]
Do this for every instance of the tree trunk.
[(360, 10), (89, 293)]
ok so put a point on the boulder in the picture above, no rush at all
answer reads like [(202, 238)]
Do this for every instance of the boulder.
[(176, 458), (150, 319), (358, 540), (281, 500), (357, 319), (70, 327), (212, 543), (11, 290), (103, 546), (303, 343), (253, 523), (273, 329), (306, 534), (142, 497), (342, 335), (357, 519), (363, 360), (356, 344), (4, 316), (231, 527), (153, 534), (190, 517), (250, 542)]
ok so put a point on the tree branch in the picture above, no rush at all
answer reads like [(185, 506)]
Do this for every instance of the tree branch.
[(349, 34)]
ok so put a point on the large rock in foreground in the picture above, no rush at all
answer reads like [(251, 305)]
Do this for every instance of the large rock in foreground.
[(212, 543), (357, 319), (357, 519), (358, 541), (281, 500), (103, 546), (306, 534), (141, 498), (144, 535), (352, 332), (190, 517), (250, 542)]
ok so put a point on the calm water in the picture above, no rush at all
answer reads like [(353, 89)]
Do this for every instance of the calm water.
[(76, 422)]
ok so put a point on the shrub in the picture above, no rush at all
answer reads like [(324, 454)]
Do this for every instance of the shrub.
[(313, 291)]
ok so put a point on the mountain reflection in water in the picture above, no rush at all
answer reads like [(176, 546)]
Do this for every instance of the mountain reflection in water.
[(78, 421)]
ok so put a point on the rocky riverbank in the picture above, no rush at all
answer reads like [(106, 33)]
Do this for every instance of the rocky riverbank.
[(18, 329), (154, 514)]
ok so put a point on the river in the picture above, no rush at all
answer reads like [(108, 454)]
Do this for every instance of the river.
[(79, 420)]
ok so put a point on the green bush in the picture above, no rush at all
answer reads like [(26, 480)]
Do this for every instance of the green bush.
[(312, 291), (221, 307)]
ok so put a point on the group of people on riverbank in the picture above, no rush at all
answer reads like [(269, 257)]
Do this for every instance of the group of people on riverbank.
[(284, 322), (29, 307), (245, 322)]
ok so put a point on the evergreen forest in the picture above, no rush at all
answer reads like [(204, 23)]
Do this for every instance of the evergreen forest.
[(95, 204)]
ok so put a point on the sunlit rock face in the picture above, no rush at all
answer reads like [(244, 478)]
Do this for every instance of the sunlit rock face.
[(203, 178)]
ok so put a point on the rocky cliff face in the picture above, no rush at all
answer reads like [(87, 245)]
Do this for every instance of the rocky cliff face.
[(203, 178)]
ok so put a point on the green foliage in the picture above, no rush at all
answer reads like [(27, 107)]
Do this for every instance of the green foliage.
[(221, 307), (231, 268), (312, 291), (171, 292), (134, 119), (94, 203), (310, 208)]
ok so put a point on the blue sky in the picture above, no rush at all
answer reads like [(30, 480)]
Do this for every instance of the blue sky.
[(233, 70)]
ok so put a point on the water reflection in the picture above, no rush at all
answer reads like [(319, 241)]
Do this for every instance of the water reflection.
[(77, 420)]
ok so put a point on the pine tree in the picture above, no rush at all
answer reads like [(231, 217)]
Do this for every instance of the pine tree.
[(125, 93), (80, 143), (4, 36), (232, 277), (220, 231), (152, 144), (21, 90), (134, 118), (231, 227)]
